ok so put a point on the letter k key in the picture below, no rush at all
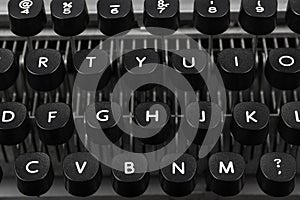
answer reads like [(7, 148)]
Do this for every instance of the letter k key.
[(250, 123)]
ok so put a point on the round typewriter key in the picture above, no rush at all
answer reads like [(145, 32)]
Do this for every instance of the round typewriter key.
[(34, 173), (179, 178), (258, 17), (9, 69), (82, 174), (276, 174), (27, 17), (14, 123), (55, 123), (45, 69), (132, 179), (70, 17), (115, 16), (226, 173)]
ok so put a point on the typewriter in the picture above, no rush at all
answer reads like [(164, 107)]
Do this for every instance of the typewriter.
[(149, 99)]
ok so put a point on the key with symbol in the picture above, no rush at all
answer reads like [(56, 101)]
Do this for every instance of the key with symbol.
[(283, 68), (115, 16), (258, 17), (226, 172), (27, 17), (34, 173), (82, 174), (211, 17), (276, 174), (250, 123), (70, 17), (161, 17)]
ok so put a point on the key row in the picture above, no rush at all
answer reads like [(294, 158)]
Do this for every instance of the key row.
[(46, 71), (55, 124), (225, 175), (210, 17)]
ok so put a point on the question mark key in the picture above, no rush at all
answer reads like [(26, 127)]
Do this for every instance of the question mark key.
[(276, 174)]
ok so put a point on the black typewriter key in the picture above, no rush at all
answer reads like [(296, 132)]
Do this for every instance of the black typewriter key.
[(14, 123), (289, 125), (45, 69), (226, 173), (179, 178), (209, 119), (258, 17), (192, 64), (104, 116), (211, 17), (276, 174), (55, 123), (293, 15), (250, 123), (154, 119), (161, 17), (283, 68), (129, 175), (34, 173), (237, 68), (115, 16), (141, 58), (70, 17), (9, 69), (90, 65), (141, 64), (82, 174), (27, 17)]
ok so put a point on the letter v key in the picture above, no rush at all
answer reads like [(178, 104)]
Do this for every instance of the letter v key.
[(80, 169), (82, 174)]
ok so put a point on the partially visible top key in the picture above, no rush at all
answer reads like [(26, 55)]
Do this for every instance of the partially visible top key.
[(293, 15), (161, 17), (70, 17), (115, 16), (27, 17), (211, 17), (258, 17)]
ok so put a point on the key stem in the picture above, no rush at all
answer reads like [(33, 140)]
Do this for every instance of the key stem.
[(29, 43)]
